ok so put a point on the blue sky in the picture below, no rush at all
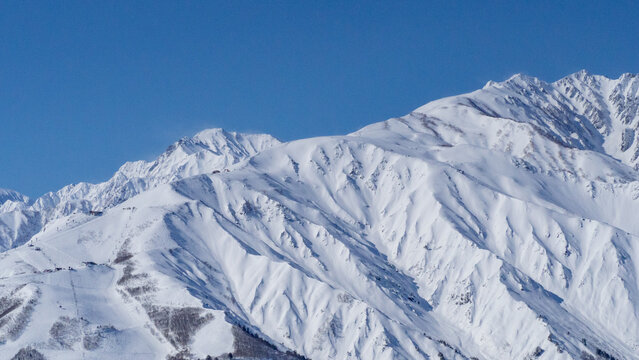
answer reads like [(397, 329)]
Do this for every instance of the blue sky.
[(88, 85)]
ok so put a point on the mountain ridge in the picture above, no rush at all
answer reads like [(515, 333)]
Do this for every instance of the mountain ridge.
[(490, 225), (207, 151)]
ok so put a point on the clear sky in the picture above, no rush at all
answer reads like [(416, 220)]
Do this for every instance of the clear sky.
[(88, 85)]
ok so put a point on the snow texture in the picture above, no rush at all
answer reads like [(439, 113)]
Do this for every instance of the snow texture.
[(498, 224)]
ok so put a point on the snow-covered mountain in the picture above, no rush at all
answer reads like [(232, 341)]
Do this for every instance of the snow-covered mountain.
[(10, 195), (498, 224), (209, 151)]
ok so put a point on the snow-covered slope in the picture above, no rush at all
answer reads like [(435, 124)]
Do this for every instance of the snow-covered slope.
[(11, 200), (492, 225), (10, 195), (206, 152)]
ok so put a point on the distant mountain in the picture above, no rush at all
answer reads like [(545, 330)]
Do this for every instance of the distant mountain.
[(13, 196), (498, 224), (208, 151)]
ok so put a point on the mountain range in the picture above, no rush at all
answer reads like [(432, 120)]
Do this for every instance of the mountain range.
[(498, 224)]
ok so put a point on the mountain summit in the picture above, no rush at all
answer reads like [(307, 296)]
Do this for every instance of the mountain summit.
[(497, 224), (208, 151)]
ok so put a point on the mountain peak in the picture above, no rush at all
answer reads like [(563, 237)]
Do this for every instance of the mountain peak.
[(519, 82), (588, 77), (213, 132), (12, 195), (208, 151), (520, 79), (523, 78), (498, 224)]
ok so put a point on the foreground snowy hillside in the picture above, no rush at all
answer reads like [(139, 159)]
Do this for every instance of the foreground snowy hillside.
[(498, 224)]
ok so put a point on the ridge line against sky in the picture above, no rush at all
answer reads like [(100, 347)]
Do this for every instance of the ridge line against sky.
[(88, 86)]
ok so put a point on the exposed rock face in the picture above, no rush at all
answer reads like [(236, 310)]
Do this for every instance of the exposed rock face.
[(28, 354)]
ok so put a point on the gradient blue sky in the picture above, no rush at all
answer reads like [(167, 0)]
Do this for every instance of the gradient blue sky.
[(88, 85)]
